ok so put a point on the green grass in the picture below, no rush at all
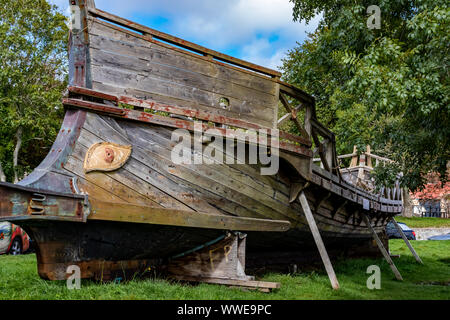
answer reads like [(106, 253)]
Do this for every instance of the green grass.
[(418, 222), (19, 280)]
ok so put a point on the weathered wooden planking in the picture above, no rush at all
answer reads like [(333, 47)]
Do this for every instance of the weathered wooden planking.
[(101, 184), (125, 212), (144, 135), (234, 74), (199, 181), (153, 173), (145, 186), (136, 185), (183, 77), (86, 139), (344, 221), (339, 221), (253, 172), (122, 78), (225, 171), (206, 176), (324, 224), (164, 99), (223, 177), (114, 47), (323, 204), (159, 134), (175, 122), (327, 180), (165, 170), (190, 82), (146, 170), (90, 188), (145, 138)]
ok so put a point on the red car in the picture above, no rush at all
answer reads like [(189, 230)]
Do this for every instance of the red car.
[(13, 239)]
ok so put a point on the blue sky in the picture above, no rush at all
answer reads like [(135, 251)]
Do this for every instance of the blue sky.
[(259, 31)]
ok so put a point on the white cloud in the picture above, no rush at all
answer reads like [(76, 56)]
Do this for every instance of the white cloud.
[(260, 31), (261, 52), (218, 22)]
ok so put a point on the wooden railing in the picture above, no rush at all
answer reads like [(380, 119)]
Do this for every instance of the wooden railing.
[(365, 158), (309, 128), (360, 167)]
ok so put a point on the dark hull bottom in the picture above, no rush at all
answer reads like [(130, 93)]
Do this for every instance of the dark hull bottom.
[(101, 247), (104, 250)]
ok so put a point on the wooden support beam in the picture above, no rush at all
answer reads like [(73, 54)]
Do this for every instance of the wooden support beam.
[(296, 188), (294, 118), (338, 209), (221, 262), (318, 239), (320, 201), (296, 93), (127, 212), (354, 161), (334, 160), (348, 217), (309, 113), (288, 116), (90, 3), (326, 150), (406, 241), (329, 154), (283, 119), (262, 286), (322, 130), (386, 255), (369, 157), (321, 150), (360, 219)]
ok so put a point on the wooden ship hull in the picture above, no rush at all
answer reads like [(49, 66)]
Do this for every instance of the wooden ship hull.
[(109, 197)]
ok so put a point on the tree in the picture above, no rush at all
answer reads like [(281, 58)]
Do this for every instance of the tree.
[(385, 87), (33, 63)]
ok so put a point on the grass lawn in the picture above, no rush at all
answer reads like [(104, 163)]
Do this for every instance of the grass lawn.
[(19, 280), (418, 222)]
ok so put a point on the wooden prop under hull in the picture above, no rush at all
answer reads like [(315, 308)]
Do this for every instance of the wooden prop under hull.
[(222, 262)]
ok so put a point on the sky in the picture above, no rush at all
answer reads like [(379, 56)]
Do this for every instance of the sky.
[(259, 31)]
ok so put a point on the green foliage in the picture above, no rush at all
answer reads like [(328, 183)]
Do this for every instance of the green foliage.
[(388, 87), (33, 63)]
